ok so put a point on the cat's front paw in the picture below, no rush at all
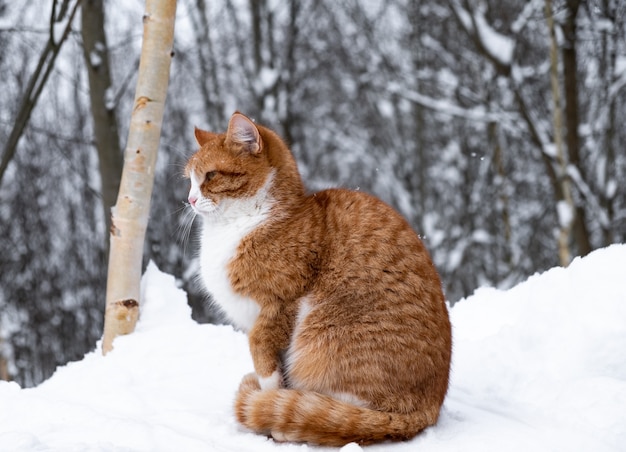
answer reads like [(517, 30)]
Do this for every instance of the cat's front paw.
[(274, 381)]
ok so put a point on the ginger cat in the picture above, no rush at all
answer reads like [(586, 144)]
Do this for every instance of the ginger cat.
[(347, 325)]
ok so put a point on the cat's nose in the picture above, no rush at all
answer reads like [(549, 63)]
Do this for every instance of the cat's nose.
[(192, 200)]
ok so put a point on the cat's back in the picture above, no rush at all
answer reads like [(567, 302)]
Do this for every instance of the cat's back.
[(359, 212), (364, 232), (372, 260)]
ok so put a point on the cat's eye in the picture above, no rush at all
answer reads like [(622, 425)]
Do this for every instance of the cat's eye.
[(210, 175)]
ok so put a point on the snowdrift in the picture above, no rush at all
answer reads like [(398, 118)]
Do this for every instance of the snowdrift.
[(539, 367)]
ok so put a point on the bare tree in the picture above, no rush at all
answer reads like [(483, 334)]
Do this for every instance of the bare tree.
[(61, 18), (572, 139), (210, 85), (4, 365), (102, 103), (565, 206), (130, 214), (606, 115)]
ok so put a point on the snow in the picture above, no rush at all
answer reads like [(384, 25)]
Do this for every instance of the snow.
[(549, 149), (565, 213), (497, 45), (538, 367), (266, 79), (58, 30), (530, 9), (109, 99), (95, 58), (620, 65), (611, 189)]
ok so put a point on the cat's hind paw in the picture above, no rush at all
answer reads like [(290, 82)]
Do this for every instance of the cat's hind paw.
[(281, 437), (249, 383)]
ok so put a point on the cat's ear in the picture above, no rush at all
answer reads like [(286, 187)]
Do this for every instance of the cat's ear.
[(243, 131), (202, 136)]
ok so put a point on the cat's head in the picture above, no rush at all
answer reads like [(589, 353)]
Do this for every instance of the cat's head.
[(238, 172)]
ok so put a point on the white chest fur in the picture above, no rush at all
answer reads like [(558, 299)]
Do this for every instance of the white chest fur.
[(219, 242), (224, 226), (219, 245)]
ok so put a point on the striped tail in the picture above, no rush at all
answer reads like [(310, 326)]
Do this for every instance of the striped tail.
[(301, 416)]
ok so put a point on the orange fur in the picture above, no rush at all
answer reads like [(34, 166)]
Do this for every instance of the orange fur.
[(350, 307)]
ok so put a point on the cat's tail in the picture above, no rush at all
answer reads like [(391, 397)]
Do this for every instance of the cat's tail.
[(301, 416)]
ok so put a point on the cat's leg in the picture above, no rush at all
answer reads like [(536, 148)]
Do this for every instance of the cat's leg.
[(268, 338)]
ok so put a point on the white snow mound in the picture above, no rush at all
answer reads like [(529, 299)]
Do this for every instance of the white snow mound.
[(539, 367)]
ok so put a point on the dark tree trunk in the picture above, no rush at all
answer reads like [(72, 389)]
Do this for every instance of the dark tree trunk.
[(102, 108), (572, 139)]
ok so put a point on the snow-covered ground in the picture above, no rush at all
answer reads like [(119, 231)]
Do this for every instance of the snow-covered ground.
[(536, 368)]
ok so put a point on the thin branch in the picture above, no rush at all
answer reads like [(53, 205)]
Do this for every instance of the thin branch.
[(35, 86), (447, 108)]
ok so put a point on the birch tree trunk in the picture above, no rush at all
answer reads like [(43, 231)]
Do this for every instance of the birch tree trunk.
[(129, 219), (566, 211)]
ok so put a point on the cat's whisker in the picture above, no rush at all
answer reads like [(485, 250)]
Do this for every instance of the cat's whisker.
[(185, 225), (184, 205), (183, 153), (175, 178)]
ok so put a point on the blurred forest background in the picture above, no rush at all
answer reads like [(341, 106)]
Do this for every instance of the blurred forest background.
[(445, 109)]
